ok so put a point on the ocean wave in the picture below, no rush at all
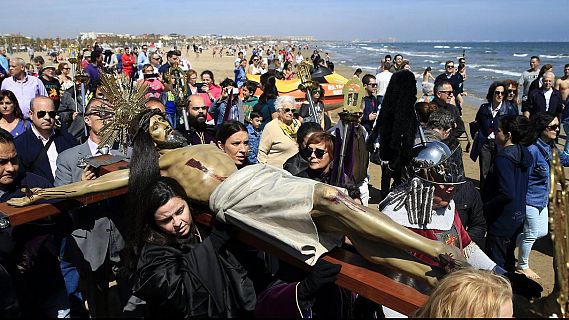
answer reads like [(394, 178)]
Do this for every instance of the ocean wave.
[(441, 47), (504, 72), (364, 67), (520, 54), (431, 61), (475, 66), (458, 47), (557, 56), (404, 53), (343, 61), (489, 51), (375, 49)]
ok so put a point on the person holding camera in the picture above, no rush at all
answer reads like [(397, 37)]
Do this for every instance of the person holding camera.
[(153, 80), (229, 97)]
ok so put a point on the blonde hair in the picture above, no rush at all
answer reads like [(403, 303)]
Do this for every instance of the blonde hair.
[(467, 293)]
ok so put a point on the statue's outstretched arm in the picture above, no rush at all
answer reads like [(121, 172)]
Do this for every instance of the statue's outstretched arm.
[(362, 222), (107, 182)]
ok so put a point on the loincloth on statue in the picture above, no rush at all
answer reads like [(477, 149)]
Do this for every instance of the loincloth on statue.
[(275, 206)]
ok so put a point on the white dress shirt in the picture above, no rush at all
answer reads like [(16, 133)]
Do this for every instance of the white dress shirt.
[(51, 151)]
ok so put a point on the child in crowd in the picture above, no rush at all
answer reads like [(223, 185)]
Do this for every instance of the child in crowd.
[(254, 130), (469, 293), (249, 100)]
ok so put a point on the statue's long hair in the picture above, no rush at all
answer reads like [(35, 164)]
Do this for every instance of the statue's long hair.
[(397, 123), (144, 172)]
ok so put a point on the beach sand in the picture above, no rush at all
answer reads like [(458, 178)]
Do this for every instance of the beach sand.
[(222, 67)]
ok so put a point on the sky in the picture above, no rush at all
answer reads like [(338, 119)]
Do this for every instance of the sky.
[(414, 20)]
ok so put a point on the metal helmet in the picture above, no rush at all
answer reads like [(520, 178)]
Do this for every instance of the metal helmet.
[(434, 162)]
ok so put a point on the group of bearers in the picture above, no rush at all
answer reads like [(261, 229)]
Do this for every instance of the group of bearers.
[(182, 269)]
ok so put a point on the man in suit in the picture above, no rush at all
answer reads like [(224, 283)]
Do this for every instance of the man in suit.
[(39, 146), (546, 99), (95, 242)]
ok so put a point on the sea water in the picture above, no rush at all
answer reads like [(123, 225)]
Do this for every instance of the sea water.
[(486, 61)]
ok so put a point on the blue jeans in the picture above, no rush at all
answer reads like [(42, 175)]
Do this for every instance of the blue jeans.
[(172, 119), (70, 274), (535, 227)]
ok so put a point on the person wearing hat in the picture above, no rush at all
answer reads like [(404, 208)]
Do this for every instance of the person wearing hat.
[(51, 83), (86, 58)]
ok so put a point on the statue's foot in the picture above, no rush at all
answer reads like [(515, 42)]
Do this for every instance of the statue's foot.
[(452, 259), (528, 273)]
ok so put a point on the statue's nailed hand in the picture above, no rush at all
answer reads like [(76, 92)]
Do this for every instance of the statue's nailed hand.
[(32, 195)]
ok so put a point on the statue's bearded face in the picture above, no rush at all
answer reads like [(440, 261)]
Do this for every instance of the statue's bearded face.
[(163, 135)]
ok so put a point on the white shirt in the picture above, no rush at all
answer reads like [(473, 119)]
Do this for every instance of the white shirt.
[(494, 112), (547, 95), (382, 79), (93, 147), (51, 151), (185, 65)]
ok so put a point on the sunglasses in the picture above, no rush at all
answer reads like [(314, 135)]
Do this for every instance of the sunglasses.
[(450, 67), (289, 110), (41, 114), (447, 92), (512, 91), (318, 153), (100, 114), (499, 93), (553, 127)]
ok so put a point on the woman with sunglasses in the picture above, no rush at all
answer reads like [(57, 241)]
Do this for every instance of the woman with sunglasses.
[(546, 128), (319, 152), (304, 113), (488, 121), (511, 95), (278, 141), (63, 70), (11, 117), (255, 65)]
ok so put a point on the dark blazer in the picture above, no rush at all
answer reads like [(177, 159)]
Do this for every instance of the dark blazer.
[(469, 207), (371, 105), (29, 146), (536, 102), (460, 129)]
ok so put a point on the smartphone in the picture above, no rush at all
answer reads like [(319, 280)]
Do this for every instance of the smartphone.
[(199, 86), (235, 91), (151, 75)]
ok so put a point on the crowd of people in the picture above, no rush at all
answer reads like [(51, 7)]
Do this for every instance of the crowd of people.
[(163, 263)]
